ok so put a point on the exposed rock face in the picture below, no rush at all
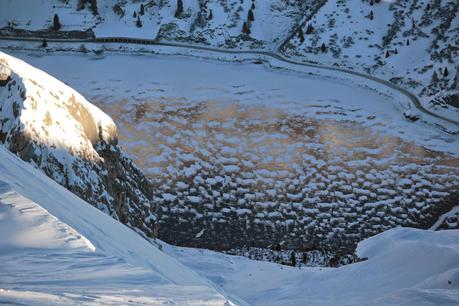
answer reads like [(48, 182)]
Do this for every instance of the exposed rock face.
[(50, 125), (5, 74)]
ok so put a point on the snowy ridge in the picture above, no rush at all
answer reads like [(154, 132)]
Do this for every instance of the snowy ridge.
[(79, 124), (49, 124), (60, 250)]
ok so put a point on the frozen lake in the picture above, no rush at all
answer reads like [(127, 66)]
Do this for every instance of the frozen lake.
[(242, 154)]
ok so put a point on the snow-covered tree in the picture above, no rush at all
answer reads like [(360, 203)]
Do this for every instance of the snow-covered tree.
[(245, 28)]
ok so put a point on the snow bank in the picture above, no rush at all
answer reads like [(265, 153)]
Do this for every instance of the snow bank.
[(57, 249), (405, 266)]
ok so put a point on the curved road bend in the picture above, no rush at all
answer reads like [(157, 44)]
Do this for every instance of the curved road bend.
[(127, 40)]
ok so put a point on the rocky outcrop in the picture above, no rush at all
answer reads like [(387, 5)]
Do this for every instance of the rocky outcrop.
[(5, 74), (50, 125)]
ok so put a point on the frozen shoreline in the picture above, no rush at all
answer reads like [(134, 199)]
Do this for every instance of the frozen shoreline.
[(390, 108)]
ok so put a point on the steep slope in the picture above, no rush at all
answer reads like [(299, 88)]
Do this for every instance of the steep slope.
[(53, 127), (208, 22), (244, 155), (409, 42), (57, 249)]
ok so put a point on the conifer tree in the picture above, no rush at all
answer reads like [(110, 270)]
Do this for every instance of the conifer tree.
[(44, 43), (142, 9), (179, 10), (94, 9), (211, 15), (387, 54), (134, 15), (56, 23), (304, 259), (434, 79), (293, 259), (245, 28), (446, 72), (301, 34), (323, 48), (309, 29), (250, 16), (138, 23)]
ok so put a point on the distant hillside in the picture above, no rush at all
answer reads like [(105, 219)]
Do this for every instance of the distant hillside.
[(412, 43), (214, 22)]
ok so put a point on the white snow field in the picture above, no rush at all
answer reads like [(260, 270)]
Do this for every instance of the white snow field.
[(57, 249), (405, 266), (158, 21)]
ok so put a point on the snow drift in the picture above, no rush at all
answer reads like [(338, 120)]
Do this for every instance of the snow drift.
[(57, 249)]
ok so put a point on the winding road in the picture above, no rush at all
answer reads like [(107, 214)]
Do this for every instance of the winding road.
[(142, 41)]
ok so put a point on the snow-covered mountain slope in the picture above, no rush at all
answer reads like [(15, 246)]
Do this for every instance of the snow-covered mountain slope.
[(409, 42), (47, 123), (57, 249), (209, 22), (412, 43), (405, 266)]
